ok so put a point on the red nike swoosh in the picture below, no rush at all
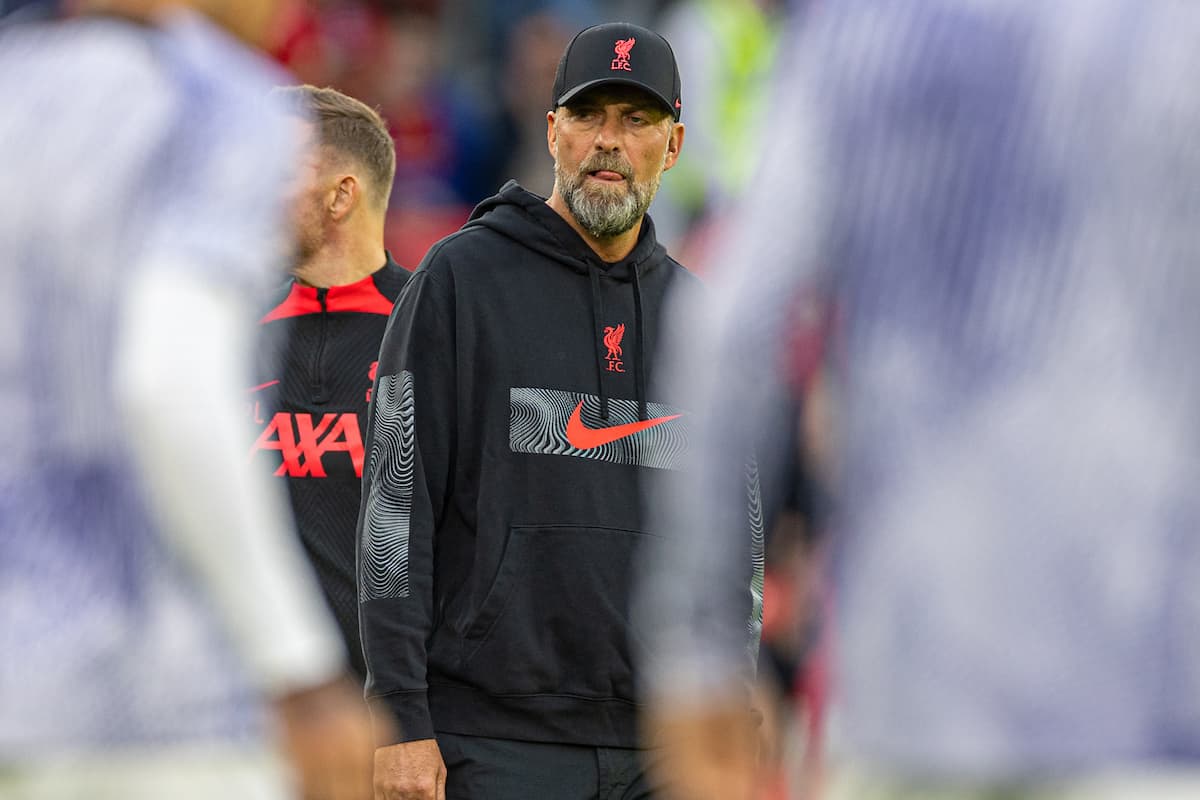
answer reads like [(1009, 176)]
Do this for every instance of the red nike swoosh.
[(582, 437), (260, 387)]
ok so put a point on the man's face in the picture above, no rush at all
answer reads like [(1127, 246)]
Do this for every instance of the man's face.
[(611, 146)]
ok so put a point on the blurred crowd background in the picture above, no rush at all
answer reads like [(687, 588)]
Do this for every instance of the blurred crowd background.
[(464, 86)]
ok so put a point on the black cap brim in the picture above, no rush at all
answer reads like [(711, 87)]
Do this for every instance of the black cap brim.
[(583, 87)]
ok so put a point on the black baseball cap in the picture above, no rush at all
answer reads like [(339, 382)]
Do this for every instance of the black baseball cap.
[(621, 53)]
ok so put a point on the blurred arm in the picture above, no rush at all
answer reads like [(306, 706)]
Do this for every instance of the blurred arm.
[(727, 352), (181, 373)]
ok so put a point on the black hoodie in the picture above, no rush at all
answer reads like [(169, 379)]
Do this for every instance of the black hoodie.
[(501, 515)]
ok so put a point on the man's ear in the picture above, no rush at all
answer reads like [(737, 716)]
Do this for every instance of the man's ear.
[(346, 195), (551, 134), (674, 145)]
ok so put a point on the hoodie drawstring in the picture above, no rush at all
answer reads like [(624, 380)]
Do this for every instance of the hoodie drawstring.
[(597, 315), (639, 374)]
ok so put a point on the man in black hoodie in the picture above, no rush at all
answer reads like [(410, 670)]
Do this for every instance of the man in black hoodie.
[(511, 432)]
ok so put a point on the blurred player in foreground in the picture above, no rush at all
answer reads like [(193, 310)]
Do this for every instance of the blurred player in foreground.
[(154, 607), (1002, 199)]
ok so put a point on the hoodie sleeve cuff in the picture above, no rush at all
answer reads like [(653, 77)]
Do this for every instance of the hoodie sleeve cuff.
[(401, 717)]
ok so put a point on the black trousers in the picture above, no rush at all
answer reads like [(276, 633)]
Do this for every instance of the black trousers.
[(479, 768)]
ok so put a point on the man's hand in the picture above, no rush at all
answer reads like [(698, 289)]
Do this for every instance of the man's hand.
[(410, 771), (327, 736)]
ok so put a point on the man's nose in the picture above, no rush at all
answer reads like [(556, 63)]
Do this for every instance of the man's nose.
[(608, 137)]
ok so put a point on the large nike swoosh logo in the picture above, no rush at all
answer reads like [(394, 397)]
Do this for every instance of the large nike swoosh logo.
[(581, 437)]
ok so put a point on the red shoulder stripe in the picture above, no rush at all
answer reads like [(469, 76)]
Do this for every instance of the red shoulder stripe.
[(300, 300)]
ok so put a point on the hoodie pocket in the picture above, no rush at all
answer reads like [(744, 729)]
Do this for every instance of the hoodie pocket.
[(556, 619)]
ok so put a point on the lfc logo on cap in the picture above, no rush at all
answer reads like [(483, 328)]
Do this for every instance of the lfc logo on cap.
[(622, 48)]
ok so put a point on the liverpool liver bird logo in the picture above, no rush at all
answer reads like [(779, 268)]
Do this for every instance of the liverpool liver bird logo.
[(622, 48), (612, 340)]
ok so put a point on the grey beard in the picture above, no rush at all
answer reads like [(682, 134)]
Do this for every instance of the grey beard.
[(601, 213)]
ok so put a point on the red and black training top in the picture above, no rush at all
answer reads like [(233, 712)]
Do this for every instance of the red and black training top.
[(317, 357)]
